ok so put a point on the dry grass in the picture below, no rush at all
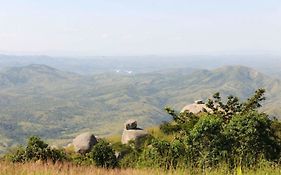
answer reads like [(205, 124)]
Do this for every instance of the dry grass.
[(70, 169), (155, 132), (114, 138)]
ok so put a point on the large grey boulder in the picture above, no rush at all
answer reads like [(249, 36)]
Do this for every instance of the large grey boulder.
[(197, 107), (132, 132), (134, 135), (130, 124), (84, 142)]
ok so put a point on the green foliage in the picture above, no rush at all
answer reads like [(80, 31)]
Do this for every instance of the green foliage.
[(234, 132), (227, 110), (276, 126), (130, 157), (254, 102), (233, 106), (103, 155), (169, 128), (166, 154), (206, 141), (16, 154), (251, 137), (35, 150), (182, 122), (158, 153), (131, 154)]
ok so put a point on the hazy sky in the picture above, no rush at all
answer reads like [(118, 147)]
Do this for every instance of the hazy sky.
[(140, 27)]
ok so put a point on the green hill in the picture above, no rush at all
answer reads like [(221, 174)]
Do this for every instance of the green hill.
[(40, 100)]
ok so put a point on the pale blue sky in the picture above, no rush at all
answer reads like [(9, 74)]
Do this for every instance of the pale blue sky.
[(140, 27)]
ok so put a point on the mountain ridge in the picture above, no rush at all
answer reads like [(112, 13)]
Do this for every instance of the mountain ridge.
[(59, 108)]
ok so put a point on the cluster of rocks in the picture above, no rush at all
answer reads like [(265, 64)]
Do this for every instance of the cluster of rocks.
[(84, 142), (132, 132)]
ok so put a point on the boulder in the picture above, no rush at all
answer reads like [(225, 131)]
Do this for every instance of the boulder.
[(134, 135), (196, 108), (130, 124), (83, 143)]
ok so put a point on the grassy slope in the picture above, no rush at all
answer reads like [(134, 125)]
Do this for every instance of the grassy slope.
[(39, 100)]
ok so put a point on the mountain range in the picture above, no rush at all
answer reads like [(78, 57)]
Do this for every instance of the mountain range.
[(56, 105), (269, 64)]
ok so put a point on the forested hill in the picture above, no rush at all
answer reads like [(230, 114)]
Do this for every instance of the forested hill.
[(53, 104)]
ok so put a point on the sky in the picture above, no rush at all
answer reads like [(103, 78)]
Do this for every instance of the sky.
[(140, 27)]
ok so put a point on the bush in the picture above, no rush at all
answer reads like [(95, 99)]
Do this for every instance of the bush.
[(130, 157), (252, 137), (103, 155), (206, 142), (182, 122), (156, 153), (35, 150), (234, 132), (16, 154)]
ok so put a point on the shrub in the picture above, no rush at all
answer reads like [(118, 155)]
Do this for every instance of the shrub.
[(231, 131), (130, 157), (252, 137), (16, 154), (103, 155), (35, 150), (158, 153), (206, 142), (182, 122)]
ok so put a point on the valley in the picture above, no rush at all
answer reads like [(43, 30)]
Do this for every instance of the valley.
[(57, 105)]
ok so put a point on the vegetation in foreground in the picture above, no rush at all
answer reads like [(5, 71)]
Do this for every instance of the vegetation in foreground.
[(232, 137), (70, 169)]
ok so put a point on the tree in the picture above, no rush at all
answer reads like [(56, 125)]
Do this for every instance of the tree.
[(182, 122), (103, 155), (36, 149), (233, 106), (252, 137), (233, 131), (254, 102), (206, 141)]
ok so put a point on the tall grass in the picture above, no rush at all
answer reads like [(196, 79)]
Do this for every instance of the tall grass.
[(38, 168)]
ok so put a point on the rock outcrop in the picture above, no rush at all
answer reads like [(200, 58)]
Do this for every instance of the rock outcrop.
[(131, 124), (132, 132), (197, 107), (84, 142)]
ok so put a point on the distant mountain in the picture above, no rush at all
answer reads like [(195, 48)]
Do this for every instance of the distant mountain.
[(268, 64), (56, 105), (36, 74), (236, 80)]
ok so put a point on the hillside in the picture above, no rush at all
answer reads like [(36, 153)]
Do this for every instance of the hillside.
[(269, 64), (56, 105)]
